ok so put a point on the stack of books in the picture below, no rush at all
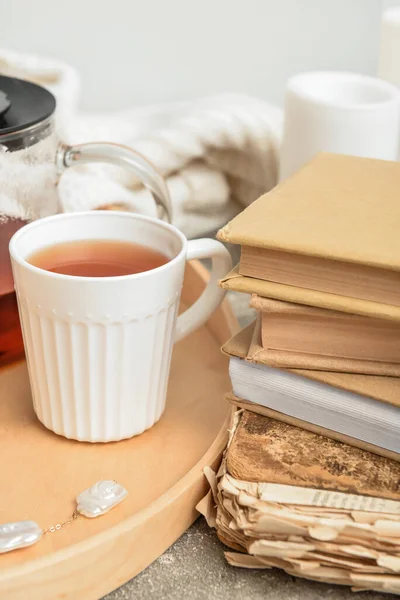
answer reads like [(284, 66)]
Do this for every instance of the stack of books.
[(320, 256), (310, 481)]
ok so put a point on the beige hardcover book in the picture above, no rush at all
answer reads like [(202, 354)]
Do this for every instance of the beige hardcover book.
[(332, 227), (298, 336), (282, 359), (234, 282)]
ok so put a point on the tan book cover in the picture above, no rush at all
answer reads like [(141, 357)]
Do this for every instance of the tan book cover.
[(331, 208), (282, 359), (300, 337), (335, 218), (263, 449), (236, 282), (299, 328)]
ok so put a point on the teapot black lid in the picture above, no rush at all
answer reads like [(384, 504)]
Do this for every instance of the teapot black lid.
[(23, 104)]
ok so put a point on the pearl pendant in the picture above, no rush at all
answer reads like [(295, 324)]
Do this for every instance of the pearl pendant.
[(93, 502), (19, 534), (100, 498)]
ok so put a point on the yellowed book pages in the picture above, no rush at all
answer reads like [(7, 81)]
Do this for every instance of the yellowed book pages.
[(250, 285), (336, 217), (335, 277)]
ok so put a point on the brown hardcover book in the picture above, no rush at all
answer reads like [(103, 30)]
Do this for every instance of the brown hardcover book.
[(298, 336), (332, 227), (266, 450), (283, 359)]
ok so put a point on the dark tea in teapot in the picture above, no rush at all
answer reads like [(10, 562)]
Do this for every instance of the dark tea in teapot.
[(11, 344), (27, 186)]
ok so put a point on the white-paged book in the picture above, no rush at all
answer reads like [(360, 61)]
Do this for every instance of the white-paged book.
[(351, 414)]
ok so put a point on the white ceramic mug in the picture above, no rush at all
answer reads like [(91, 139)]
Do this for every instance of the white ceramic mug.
[(99, 348), (343, 113)]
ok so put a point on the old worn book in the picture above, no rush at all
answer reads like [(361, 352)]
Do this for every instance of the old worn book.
[(364, 408), (298, 336), (315, 508), (324, 431), (263, 449), (333, 227)]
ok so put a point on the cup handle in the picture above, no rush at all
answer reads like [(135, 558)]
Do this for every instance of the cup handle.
[(213, 295), (68, 156)]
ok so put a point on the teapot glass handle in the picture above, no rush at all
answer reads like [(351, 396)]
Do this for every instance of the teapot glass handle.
[(68, 156)]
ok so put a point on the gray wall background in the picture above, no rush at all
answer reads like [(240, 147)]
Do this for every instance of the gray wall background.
[(148, 51)]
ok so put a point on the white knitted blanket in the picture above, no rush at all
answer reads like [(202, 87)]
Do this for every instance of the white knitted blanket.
[(217, 154)]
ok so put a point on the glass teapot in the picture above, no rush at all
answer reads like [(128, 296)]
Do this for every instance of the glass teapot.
[(28, 137)]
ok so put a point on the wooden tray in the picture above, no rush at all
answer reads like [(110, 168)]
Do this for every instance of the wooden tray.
[(41, 474)]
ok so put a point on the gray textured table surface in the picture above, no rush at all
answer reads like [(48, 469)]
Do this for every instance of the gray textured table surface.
[(195, 567)]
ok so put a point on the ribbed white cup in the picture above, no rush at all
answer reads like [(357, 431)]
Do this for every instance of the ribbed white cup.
[(99, 348)]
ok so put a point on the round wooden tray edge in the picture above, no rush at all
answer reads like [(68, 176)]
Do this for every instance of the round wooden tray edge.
[(211, 457), (57, 570)]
